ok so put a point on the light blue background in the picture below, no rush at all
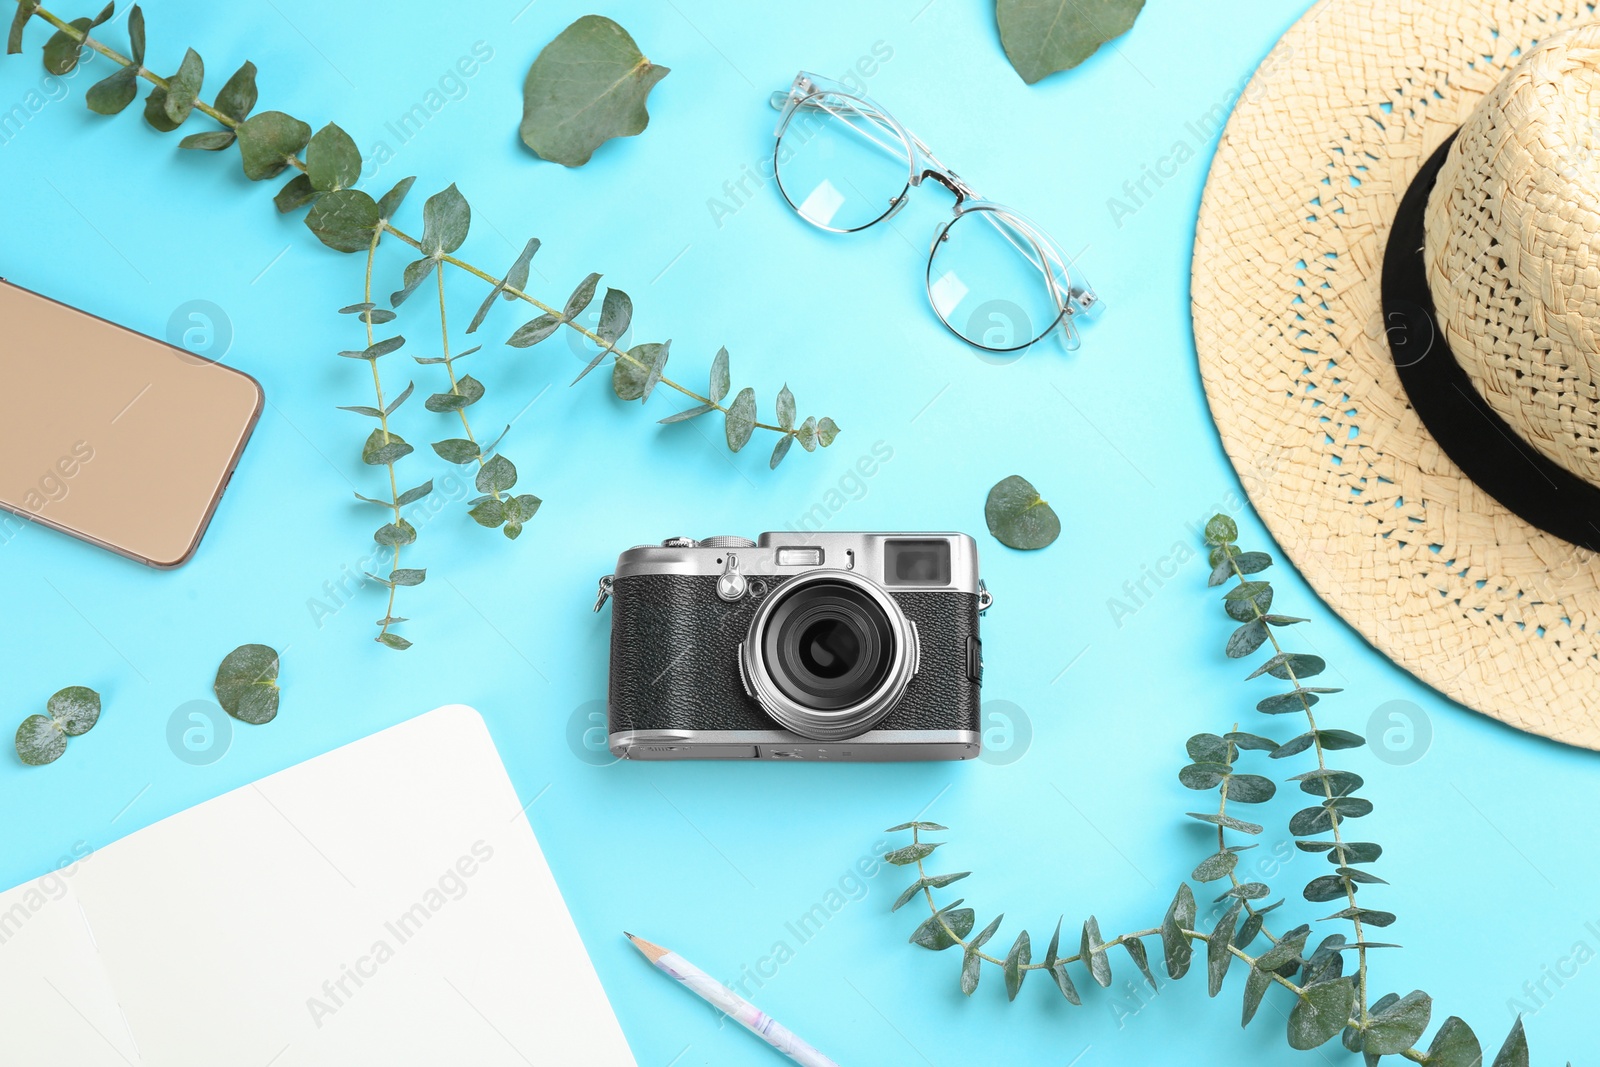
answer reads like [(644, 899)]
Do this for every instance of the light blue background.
[(1486, 834)]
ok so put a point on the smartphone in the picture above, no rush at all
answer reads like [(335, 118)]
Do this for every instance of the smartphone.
[(111, 436)]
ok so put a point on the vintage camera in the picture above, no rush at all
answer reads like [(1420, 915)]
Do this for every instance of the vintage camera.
[(833, 646)]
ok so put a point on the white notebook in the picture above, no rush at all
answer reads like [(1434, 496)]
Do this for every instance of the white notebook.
[(386, 902)]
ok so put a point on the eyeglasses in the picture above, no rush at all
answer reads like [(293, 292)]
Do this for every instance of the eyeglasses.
[(994, 278)]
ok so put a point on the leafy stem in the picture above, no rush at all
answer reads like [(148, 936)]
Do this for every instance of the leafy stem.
[(280, 147), (607, 347), (388, 438), (1302, 695)]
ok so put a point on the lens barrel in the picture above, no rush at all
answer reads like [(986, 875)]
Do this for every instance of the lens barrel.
[(829, 655)]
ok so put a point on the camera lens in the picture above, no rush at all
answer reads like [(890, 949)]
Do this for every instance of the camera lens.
[(829, 648), (829, 655)]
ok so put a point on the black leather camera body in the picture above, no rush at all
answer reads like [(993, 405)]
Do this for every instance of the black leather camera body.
[(837, 646)]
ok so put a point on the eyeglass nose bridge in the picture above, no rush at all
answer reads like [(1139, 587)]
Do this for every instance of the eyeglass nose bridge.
[(962, 191)]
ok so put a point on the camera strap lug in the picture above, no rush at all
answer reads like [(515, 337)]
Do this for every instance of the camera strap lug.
[(732, 585), (985, 598), (605, 592)]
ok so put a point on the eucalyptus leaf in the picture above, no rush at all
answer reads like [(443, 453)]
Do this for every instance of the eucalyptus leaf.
[(1174, 942), (1455, 1045), (1221, 530), (416, 272), (393, 534), (616, 314), (457, 450), (247, 684), (166, 108), (780, 450), (1246, 639), (62, 50), (390, 202), (19, 21), (415, 493), (1140, 959), (902, 857), (1288, 666), (1218, 865), (1204, 775), (333, 162), (115, 91), (581, 297), (296, 192), (631, 378), (535, 330), (719, 376), (1514, 1053), (516, 278), (344, 220), (827, 430), (1058, 969), (446, 217), (496, 476), (931, 934), (209, 141), (1227, 822), (1399, 1025), (785, 408), (1020, 956), (1208, 748), (383, 448), (1018, 516), (586, 87), (1250, 789), (268, 141), (741, 422), (806, 434), (1321, 1011), (1043, 36), (688, 413), (1092, 951), (40, 740), (76, 709), (1256, 984), (932, 881), (238, 95), (394, 641), (1218, 956)]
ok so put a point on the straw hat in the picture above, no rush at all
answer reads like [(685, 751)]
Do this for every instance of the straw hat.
[(1396, 293)]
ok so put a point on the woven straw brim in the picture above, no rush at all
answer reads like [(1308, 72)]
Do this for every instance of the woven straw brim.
[(1289, 327)]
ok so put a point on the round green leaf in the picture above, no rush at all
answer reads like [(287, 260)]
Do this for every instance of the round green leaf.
[(268, 141), (1043, 36), (40, 740), (333, 162), (1019, 517), (343, 220), (586, 87), (76, 708), (496, 476), (247, 684), (446, 217)]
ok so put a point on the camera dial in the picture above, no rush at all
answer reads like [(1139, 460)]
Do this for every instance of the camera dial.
[(725, 541), (829, 655)]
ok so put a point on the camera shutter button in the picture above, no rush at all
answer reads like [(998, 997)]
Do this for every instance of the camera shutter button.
[(679, 542), (731, 585)]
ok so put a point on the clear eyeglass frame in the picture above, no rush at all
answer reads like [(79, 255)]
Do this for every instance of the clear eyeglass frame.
[(1070, 293)]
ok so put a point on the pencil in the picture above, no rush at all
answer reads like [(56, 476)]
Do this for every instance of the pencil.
[(731, 1004)]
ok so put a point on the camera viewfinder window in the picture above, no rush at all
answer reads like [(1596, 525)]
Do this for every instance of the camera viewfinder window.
[(916, 562)]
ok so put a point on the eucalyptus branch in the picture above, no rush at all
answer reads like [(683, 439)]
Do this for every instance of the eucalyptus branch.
[(271, 142), (382, 449), (1326, 1000)]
